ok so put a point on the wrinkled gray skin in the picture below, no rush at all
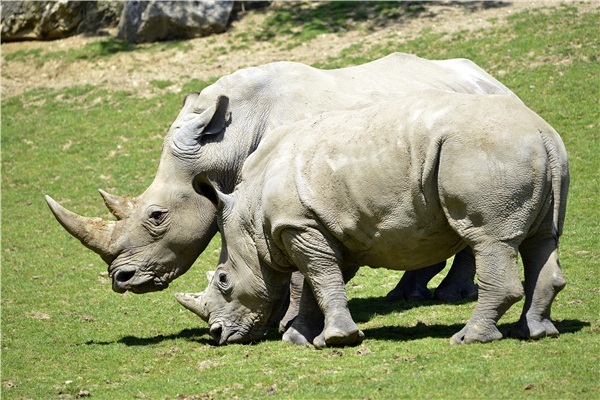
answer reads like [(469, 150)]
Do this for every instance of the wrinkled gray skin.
[(400, 185), (158, 235)]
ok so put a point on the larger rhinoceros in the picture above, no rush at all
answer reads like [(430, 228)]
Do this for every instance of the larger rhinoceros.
[(159, 234), (400, 185)]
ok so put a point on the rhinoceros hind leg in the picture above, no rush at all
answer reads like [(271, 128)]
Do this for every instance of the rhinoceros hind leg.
[(543, 280), (459, 283), (413, 284), (499, 288)]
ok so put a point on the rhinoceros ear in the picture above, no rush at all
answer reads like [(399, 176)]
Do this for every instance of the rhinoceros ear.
[(193, 126), (226, 202), (205, 187)]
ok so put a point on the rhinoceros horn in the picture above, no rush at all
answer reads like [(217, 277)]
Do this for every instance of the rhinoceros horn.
[(94, 233), (194, 302), (119, 206)]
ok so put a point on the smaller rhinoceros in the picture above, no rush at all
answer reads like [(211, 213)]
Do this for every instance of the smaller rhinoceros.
[(400, 185)]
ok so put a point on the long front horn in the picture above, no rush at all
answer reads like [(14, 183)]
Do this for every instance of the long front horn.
[(194, 302), (94, 233), (119, 206)]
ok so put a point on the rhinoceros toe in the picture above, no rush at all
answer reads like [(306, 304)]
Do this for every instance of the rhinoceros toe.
[(531, 329), (476, 333)]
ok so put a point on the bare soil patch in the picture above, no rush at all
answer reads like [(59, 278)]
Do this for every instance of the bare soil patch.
[(214, 56)]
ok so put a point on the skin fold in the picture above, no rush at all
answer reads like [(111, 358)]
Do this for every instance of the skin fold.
[(477, 171)]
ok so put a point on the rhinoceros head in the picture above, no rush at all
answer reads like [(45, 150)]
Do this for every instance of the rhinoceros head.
[(158, 235), (244, 296)]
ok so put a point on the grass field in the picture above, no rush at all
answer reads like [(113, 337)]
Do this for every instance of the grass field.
[(66, 335)]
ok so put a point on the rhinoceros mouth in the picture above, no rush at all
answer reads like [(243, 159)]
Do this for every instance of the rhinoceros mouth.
[(130, 279), (231, 335)]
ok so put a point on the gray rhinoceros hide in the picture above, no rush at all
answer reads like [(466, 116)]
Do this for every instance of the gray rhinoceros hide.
[(400, 185), (159, 234)]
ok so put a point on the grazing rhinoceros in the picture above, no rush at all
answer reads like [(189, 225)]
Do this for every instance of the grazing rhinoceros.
[(159, 234), (400, 185)]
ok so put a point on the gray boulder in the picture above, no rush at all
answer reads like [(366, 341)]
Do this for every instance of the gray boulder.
[(149, 21), (48, 20)]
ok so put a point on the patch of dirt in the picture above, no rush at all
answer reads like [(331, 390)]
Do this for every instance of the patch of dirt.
[(217, 55)]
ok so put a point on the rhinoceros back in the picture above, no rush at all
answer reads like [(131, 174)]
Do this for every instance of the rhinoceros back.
[(370, 178)]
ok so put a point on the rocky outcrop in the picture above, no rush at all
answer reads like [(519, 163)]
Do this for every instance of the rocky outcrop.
[(47, 20), (138, 21), (149, 21)]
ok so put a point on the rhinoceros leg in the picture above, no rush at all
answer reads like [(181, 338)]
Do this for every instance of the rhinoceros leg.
[(413, 284), (543, 280), (308, 320), (318, 258), (459, 283), (296, 284), (308, 323), (499, 288)]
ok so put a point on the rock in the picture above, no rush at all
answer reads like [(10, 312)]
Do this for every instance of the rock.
[(149, 21), (47, 20)]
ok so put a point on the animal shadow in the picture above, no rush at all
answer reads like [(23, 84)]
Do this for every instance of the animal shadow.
[(198, 335)]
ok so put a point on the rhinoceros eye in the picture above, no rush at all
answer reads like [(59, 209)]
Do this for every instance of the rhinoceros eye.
[(158, 216), (224, 283)]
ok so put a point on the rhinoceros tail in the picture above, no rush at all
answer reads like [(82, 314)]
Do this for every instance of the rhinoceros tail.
[(559, 170)]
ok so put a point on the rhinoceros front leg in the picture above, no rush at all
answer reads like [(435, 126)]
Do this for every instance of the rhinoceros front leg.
[(543, 280), (459, 284), (319, 260), (499, 288), (309, 321), (296, 284)]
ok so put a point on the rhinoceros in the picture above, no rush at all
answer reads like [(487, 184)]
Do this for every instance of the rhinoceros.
[(158, 235), (399, 185)]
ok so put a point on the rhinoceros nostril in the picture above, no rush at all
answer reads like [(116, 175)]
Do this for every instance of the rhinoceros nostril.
[(216, 330), (124, 276)]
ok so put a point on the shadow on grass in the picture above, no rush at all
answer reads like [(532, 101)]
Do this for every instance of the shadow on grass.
[(395, 333), (336, 16), (421, 331), (193, 335), (364, 309)]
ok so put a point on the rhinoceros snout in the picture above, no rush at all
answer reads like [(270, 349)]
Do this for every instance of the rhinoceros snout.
[(128, 279), (123, 276), (216, 332)]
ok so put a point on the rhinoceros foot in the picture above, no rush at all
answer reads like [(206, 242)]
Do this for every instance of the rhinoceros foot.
[(413, 284), (337, 338), (475, 332), (450, 292), (340, 330), (297, 337), (402, 291), (303, 331), (531, 329)]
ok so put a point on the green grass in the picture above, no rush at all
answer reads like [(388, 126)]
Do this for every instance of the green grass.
[(65, 334), (94, 51)]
